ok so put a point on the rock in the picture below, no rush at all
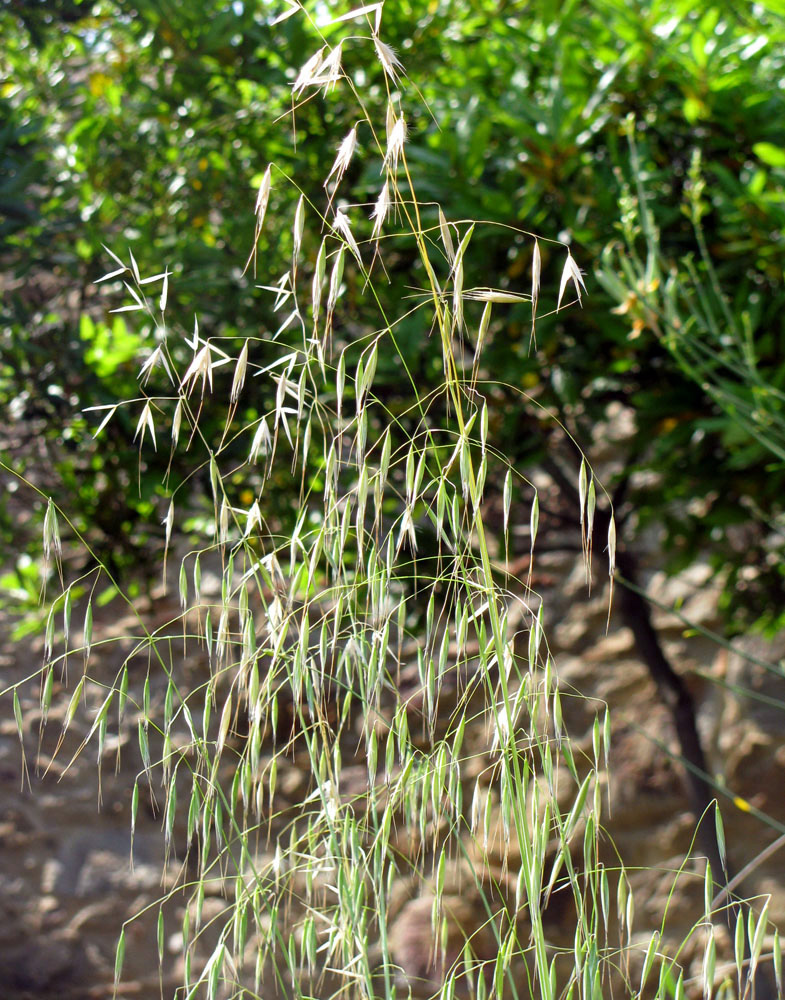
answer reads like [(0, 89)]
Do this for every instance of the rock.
[(757, 670), (97, 861), (425, 957), (42, 967)]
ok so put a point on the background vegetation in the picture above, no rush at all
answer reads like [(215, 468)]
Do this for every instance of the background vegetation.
[(149, 127), (646, 137)]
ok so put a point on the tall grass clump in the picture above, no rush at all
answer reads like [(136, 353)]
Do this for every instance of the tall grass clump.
[(346, 613)]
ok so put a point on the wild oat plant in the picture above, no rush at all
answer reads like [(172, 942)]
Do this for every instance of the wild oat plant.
[(377, 646)]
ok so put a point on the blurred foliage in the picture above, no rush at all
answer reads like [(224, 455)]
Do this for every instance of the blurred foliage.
[(727, 348), (150, 125)]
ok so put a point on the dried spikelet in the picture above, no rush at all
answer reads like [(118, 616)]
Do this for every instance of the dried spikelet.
[(239, 374), (381, 210), (318, 281), (344, 157), (145, 423), (341, 226), (164, 292), (308, 73), (253, 518), (292, 8), (536, 272), (201, 366), (396, 137), (390, 117), (262, 442), (134, 267), (156, 358), (571, 272), (493, 295), (260, 210), (177, 421), (391, 64), (371, 8), (297, 233), (406, 531), (263, 195), (168, 523), (330, 70)]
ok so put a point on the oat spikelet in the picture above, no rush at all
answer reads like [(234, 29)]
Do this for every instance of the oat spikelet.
[(260, 210), (344, 157), (330, 70), (341, 225), (571, 272), (309, 73), (391, 64), (395, 140), (381, 210), (536, 275)]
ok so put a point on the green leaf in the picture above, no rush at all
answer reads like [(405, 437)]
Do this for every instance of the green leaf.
[(769, 153)]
